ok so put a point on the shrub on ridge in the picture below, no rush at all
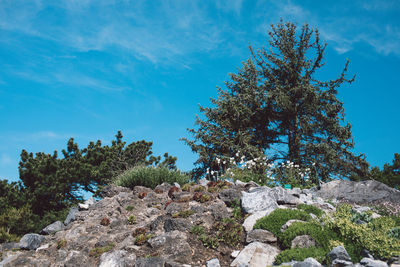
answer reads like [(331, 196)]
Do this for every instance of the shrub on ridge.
[(150, 177)]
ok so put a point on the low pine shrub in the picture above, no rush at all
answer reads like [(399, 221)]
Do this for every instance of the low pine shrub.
[(321, 235), (310, 209), (274, 221), (150, 177), (300, 254), (373, 236)]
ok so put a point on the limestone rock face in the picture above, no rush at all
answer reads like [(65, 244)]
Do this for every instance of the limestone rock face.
[(363, 192), (256, 254), (258, 199)]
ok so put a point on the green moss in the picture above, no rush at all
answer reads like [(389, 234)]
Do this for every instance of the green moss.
[(142, 238), (373, 237), (229, 231), (197, 230), (300, 254), (129, 208), (310, 209), (209, 241), (183, 214), (132, 219), (321, 235), (96, 252), (61, 243), (274, 221)]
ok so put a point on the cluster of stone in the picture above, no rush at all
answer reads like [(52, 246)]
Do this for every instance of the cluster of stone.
[(145, 227)]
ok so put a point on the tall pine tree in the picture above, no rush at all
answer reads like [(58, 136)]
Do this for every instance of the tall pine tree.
[(276, 106)]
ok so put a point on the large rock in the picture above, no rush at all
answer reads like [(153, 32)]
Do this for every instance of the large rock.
[(213, 263), (283, 196), (31, 241), (303, 241), (261, 235), (359, 192), (258, 199), (372, 263), (230, 195), (113, 190), (52, 228), (250, 221), (71, 215), (117, 258), (256, 254), (150, 262), (339, 256), (309, 262), (172, 246)]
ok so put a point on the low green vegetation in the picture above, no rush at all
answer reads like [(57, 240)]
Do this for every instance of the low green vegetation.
[(355, 231), (320, 234), (96, 252), (150, 177), (276, 219), (129, 208), (310, 209), (183, 214), (132, 219), (300, 254)]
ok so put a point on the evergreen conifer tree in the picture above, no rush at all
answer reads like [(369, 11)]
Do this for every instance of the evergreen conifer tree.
[(276, 106)]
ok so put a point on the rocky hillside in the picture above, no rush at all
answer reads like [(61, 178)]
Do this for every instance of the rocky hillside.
[(210, 224)]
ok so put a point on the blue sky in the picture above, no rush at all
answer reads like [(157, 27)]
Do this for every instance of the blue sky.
[(86, 68)]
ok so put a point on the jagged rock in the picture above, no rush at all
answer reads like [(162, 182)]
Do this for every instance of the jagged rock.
[(71, 215), (235, 253), (289, 223), (117, 258), (52, 228), (173, 208), (295, 192), (229, 195), (219, 210), (76, 258), (339, 257), (213, 263), (303, 241), (164, 187), (250, 221), (258, 199), (367, 262), (256, 254), (31, 241), (260, 235), (181, 196), (180, 224), (309, 262), (150, 262), (283, 196), (172, 246), (113, 190), (363, 192)]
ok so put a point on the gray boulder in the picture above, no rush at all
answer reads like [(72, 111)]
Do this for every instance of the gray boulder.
[(113, 190), (363, 192), (309, 262), (303, 241), (52, 228), (150, 262), (219, 210), (180, 224), (230, 195), (71, 215), (117, 258), (256, 254), (367, 262), (261, 235), (339, 257), (213, 263), (31, 241), (258, 199)]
